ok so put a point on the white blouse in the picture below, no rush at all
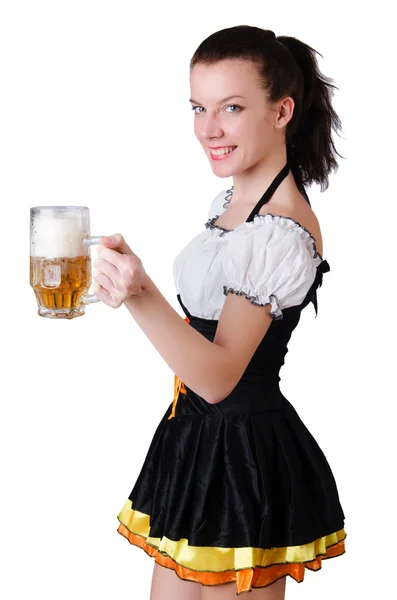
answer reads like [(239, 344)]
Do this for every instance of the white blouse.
[(270, 260)]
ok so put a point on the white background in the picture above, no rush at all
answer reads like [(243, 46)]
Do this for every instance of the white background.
[(94, 110)]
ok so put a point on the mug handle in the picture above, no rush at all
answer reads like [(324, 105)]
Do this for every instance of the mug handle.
[(91, 240)]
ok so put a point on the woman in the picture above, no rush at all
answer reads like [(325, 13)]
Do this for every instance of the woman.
[(235, 493)]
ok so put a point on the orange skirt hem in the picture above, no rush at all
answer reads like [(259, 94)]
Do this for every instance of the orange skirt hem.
[(246, 579)]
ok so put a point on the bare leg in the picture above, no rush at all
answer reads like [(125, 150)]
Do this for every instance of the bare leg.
[(227, 591), (166, 585)]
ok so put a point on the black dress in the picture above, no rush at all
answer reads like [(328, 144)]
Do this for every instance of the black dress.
[(240, 490)]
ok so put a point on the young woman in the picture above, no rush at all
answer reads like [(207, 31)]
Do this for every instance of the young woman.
[(235, 493)]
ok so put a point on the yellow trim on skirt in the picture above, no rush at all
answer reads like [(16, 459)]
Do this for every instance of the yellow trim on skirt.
[(212, 565)]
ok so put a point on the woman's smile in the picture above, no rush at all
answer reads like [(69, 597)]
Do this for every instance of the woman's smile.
[(221, 153)]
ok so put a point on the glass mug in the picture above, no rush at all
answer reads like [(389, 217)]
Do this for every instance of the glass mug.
[(60, 261)]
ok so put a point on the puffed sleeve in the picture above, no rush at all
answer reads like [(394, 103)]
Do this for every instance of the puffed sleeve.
[(270, 260)]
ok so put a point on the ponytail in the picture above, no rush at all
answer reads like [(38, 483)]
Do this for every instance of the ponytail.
[(311, 150)]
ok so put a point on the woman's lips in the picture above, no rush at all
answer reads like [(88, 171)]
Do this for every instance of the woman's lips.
[(223, 156)]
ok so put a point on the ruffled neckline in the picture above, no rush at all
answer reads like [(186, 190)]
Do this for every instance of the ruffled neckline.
[(281, 220)]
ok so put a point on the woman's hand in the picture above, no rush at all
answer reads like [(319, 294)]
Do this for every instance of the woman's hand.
[(120, 271)]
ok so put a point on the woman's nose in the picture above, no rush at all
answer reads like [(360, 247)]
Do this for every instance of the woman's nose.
[(210, 127)]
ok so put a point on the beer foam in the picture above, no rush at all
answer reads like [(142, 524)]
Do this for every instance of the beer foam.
[(57, 234)]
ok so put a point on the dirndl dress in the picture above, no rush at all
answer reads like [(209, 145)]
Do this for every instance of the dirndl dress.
[(240, 490)]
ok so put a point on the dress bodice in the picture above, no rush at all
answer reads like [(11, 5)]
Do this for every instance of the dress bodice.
[(270, 259)]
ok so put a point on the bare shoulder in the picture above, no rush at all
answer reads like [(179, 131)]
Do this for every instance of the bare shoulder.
[(300, 211)]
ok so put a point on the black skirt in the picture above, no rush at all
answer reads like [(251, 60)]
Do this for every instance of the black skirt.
[(235, 491)]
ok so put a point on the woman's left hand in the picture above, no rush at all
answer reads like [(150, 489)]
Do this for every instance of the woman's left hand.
[(120, 271)]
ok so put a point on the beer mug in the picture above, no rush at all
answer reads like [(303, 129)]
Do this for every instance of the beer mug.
[(60, 262)]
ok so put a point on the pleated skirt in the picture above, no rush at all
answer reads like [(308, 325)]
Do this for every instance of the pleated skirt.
[(228, 496)]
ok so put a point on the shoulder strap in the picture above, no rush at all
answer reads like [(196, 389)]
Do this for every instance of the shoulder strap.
[(270, 191)]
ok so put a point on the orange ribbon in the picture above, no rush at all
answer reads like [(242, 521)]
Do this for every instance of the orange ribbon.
[(179, 387)]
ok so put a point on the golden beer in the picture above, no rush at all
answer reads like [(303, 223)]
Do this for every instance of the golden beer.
[(60, 283), (60, 263)]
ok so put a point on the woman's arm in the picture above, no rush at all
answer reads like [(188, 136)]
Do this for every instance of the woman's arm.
[(121, 279), (201, 365), (211, 369)]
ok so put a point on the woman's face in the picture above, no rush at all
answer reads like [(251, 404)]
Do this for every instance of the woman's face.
[(248, 123)]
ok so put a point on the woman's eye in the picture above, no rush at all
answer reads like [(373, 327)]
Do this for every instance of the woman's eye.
[(228, 106), (234, 106)]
